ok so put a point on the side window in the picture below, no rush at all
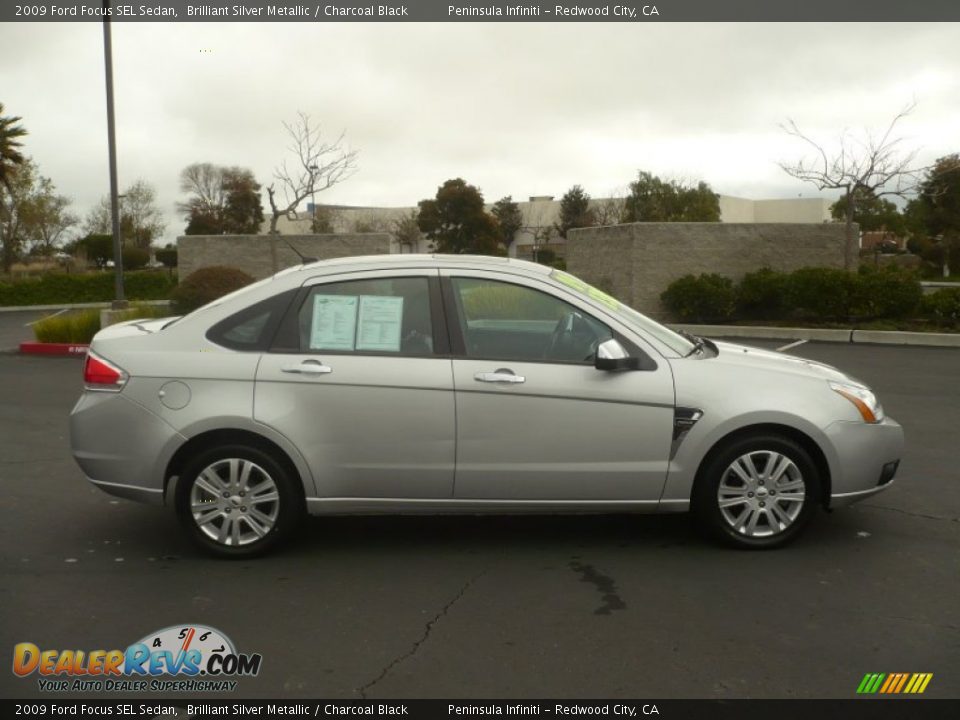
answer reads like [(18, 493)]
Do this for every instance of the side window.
[(252, 328), (513, 322), (382, 315)]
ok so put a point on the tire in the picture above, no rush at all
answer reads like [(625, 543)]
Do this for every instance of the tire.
[(238, 501), (735, 502)]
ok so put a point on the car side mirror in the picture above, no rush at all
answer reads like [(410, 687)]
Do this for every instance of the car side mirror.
[(611, 355)]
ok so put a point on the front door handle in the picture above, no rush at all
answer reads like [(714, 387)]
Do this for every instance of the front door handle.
[(308, 367), (500, 375)]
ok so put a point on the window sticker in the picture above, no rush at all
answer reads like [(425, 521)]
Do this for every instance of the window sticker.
[(585, 289), (379, 323), (334, 324)]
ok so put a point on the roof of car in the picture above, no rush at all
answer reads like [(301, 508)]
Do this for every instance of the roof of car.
[(419, 260)]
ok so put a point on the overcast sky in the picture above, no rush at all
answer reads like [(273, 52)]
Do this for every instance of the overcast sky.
[(521, 109)]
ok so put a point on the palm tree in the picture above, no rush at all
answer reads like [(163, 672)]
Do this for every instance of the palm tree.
[(10, 156)]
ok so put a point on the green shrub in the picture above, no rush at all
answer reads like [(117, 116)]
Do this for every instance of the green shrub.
[(134, 258), (762, 295), (822, 293), (886, 292), (167, 256), (206, 285), (56, 288), (942, 307), (707, 298), (78, 327)]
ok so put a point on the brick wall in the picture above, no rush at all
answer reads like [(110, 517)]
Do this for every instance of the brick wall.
[(637, 262), (263, 255)]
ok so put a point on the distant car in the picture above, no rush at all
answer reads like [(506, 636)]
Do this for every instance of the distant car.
[(110, 264), (462, 384)]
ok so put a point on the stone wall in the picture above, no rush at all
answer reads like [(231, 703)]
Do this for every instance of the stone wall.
[(263, 255), (637, 262)]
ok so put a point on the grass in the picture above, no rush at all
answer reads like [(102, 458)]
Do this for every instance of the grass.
[(79, 327), (138, 311)]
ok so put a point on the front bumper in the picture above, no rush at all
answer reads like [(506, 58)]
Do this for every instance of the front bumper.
[(866, 457)]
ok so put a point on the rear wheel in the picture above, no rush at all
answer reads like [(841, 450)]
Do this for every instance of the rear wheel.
[(758, 492), (237, 501)]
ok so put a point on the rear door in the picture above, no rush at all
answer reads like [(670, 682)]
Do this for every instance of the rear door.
[(360, 379)]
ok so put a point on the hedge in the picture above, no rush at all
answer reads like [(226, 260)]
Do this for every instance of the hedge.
[(943, 307), (56, 288), (707, 298), (818, 294)]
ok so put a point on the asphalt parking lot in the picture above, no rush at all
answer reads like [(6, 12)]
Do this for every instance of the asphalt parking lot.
[(622, 606)]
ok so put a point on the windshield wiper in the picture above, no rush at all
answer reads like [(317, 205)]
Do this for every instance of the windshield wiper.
[(697, 342)]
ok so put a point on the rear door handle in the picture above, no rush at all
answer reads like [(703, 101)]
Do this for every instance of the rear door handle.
[(308, 367), (500, 375)]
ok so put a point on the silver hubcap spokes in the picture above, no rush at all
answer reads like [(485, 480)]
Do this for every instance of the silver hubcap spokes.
[(234, 502), (761, 493)]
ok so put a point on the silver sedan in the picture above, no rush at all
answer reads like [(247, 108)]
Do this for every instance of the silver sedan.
[(463, 384)]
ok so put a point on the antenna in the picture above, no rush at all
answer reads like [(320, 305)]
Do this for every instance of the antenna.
[(303, 258)]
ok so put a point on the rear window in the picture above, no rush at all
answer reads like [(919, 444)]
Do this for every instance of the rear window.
[(252, 328)]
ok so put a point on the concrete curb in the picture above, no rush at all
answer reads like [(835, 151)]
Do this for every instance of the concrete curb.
[(39, 348), (845, 335), (76, 306)]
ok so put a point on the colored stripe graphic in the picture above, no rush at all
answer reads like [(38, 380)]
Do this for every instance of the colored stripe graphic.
[(894, 683), (903, 680)]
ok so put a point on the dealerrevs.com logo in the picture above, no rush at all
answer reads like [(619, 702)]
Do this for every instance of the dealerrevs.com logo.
[(184, 658)]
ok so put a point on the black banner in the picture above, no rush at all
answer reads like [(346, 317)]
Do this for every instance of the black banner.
[(480, 11), (855, 709)]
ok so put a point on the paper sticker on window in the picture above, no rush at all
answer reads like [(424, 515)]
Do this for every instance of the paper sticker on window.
[(379, 323), (334, 325)]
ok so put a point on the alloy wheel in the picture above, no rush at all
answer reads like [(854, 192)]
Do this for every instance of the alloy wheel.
[(234, 502), (761, 493)]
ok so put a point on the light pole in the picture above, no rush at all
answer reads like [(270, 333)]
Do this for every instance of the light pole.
[(313, 197), (119, 301)]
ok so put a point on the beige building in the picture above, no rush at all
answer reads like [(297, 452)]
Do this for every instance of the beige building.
[(541, 212)]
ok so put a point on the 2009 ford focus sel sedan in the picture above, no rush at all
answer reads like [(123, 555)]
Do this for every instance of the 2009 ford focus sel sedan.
[(463, 384)]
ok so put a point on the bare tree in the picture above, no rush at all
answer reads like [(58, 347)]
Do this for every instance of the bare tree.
[(406, 231), (861, 166), (610, 210), (317, 165), (204, 183)]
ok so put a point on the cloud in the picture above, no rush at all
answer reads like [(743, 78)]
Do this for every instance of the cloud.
[(519, 109)]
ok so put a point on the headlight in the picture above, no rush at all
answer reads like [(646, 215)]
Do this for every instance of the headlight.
[(862, 398)]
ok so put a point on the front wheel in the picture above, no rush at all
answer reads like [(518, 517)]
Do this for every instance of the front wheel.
[(237, 501), (758, 492)]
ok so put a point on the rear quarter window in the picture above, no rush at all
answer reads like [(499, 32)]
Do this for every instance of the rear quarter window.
[(252, 329)]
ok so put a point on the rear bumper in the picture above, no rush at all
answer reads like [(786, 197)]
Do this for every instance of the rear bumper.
[(865, 461), (130, 492), (121, 446)]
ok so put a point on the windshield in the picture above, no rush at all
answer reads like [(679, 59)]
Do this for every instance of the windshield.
[(668, 337)]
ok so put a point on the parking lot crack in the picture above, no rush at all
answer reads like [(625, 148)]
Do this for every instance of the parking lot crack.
[(427, 629), (32, 460), (912, 514)]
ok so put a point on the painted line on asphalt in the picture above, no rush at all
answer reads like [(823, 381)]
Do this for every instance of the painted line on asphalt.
[(791, 345), (61, 312)]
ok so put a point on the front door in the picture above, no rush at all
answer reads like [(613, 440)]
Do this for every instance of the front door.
[(535, 419)]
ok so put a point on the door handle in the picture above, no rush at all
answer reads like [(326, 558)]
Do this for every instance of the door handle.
[(500, 375), (308, 367)]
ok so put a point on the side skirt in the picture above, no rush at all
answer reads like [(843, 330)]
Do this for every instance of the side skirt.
[(456, 506)]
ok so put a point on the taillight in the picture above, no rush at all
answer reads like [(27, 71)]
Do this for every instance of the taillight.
[(100, 374)]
